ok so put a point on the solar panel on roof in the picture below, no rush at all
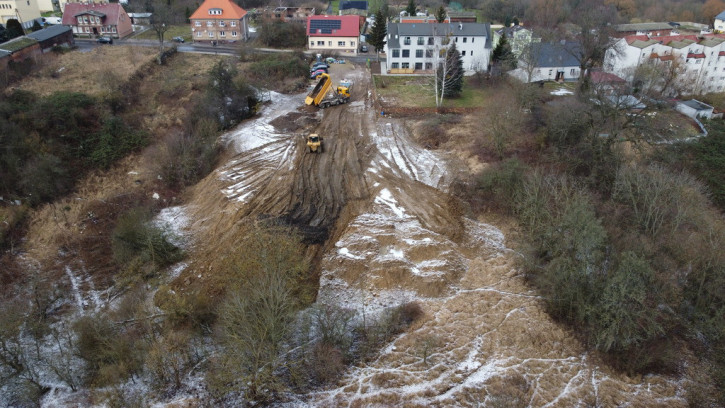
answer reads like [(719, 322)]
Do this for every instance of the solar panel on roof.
[(354, 4), (325, 26)]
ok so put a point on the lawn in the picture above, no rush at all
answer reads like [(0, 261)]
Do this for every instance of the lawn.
[(417, 91), (183, 31)]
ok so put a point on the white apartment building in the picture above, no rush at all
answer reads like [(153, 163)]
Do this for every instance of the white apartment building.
[(413, 48), (21, 10), (697, 60)]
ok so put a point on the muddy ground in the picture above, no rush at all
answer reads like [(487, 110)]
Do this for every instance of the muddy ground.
[(383, 229)]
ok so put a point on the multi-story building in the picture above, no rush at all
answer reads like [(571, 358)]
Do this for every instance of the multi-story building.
[(21, 10), (416, 48), (97, 19), (517, 36), (696, 62), (334, 33), (219, 21)]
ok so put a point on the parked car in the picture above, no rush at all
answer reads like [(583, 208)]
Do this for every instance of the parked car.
[(105, 40), (319, 65), (363, 48), (178, 39), (317, 73)]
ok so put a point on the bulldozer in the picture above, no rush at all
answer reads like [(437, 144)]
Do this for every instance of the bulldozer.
[(323, 96), (314, 142)]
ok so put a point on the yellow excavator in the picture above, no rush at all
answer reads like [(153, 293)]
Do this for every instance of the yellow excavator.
[(322, 96)]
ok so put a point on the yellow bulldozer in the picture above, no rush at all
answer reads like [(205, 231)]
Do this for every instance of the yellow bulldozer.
[(314, 143)]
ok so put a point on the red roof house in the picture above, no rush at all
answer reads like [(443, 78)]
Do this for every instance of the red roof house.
[(97, 19), (334, 33), (219, 21)]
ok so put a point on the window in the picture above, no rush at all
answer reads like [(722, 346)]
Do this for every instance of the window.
[(320, 43), (428, 65), (406, 41), (406, 53), (395, 65), (222, 34), (215, 11), (418, 53), (471, 53), (234, 34), (352, 43), (198, 33), (341, 43), (473, 38), (406, 65), (312, 43), (197, 23), (429, 53), (550, 72), (456, 39), (233, 23), (421, 41), (329, 43), (209, 23), (85, 20), (113, 29), (418, 65), (85, 29), (396, 54), (430, 41), (80, 20), (465, 39), (211, 34), (573, 72), (463, 53), (221, 24)]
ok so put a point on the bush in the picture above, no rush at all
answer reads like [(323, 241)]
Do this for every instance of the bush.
[(114, 141), (44, 178), (140, 246), (277, 67), (501, 183), (281, 34), (184, 158)]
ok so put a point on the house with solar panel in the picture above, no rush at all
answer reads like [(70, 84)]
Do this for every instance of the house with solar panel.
[(415, 48), (219, 21), (338, 34), (358, 7)]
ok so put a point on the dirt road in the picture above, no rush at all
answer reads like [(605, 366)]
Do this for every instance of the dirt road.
[(389, 232)]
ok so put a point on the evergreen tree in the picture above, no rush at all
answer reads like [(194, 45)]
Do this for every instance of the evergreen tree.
[(14, 29), (378, 32), (36, 26), (502, 57), (411, 8), (441, 14), (3, 34)]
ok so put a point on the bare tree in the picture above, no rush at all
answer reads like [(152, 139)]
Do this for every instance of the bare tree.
[(445, 71), (161, 20)]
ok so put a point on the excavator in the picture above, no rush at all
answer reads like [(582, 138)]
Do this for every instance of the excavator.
[(322, 96)]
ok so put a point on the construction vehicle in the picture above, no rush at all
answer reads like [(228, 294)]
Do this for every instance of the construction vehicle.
[(322, 96), (314, 142)]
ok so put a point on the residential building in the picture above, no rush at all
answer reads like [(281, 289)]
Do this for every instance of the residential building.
[(140, 18), (462, 16), (52, 36), (21, 10), (415, 48), (624, 30), (719, 24), (97, 19), (18, 51), (219, 21), (695, 62), (517, 36), (405, 19), (357, 7), (334, 33), (549, 62), (290, 14)]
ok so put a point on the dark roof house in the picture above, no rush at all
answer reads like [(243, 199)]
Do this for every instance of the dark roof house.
[(53, 35)]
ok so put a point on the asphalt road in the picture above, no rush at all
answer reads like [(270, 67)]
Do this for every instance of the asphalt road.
[(221, 49)]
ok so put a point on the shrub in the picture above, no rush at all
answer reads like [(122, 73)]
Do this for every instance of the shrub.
[(282, 34), (500, 184), (44, 178), (277, 67), (184, 158), (140, 245)]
